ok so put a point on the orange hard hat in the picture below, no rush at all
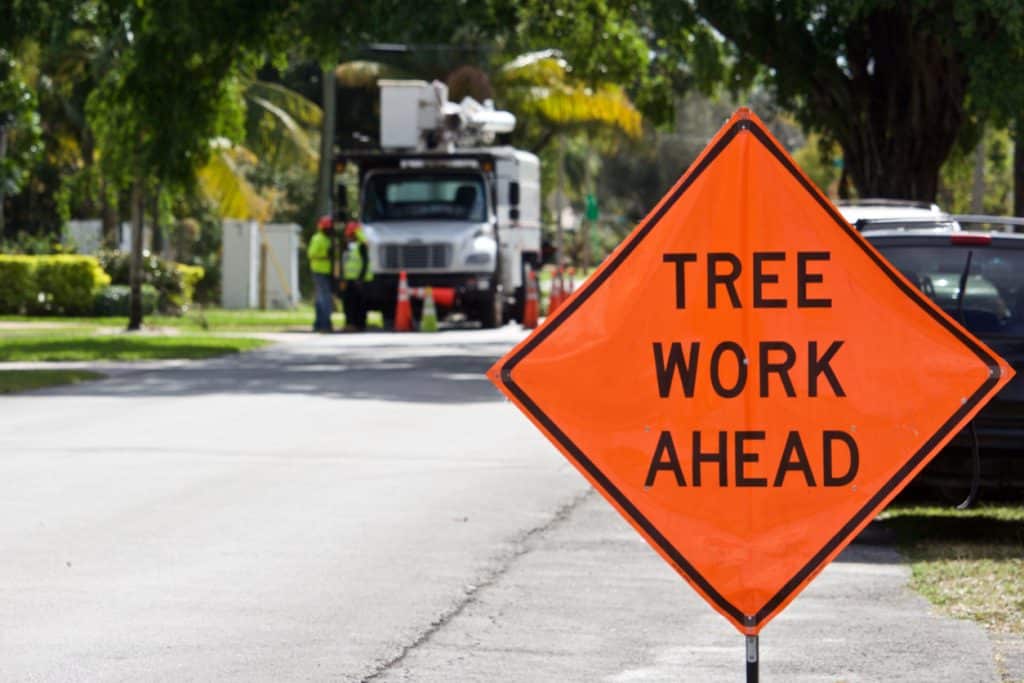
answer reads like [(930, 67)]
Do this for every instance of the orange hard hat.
[(350, 228), (325, 223)]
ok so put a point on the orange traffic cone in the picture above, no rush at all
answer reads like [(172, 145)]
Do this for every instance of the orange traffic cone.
[(403, 311), (556, 296), (531, 305), (571, 286)]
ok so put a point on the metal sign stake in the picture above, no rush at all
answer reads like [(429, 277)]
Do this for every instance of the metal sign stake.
[(752, 659)]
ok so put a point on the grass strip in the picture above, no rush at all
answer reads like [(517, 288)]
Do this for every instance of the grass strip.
[(86, 347), (197, 320), (969, 563), (14, 381)]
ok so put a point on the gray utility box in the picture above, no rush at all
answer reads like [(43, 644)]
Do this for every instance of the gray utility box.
[(260, 266)]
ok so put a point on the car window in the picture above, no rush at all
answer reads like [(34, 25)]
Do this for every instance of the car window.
[(993, 301)]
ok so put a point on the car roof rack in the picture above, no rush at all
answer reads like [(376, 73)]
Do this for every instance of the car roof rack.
[(1008, 223), (938, 222), (878, 201)]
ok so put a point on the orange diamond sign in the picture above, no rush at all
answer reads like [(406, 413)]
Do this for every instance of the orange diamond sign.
[(746, 380)]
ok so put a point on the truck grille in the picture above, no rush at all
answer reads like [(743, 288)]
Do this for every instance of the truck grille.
[(415, 256)]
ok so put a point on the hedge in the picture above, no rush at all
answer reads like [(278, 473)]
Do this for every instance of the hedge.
[(56, 285), (17, 283)]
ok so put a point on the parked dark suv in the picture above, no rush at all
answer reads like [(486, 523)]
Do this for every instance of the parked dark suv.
[(991, 265)]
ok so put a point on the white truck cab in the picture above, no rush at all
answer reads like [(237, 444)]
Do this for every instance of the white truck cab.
[(465, 218)]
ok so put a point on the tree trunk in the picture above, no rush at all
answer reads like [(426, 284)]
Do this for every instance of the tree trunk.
[(898, 122), (135, 275), (323, 188), (3, 155), (1018, 168), (158, 234)]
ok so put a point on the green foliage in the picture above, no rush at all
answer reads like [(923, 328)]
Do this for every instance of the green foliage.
[(115, 300), (892, 83), (539, 86), (820, 161), (175, 283), (17, 283), (53, 285), (67, 285), (191, 50), (190, 277), (957, 179), (20, 132)]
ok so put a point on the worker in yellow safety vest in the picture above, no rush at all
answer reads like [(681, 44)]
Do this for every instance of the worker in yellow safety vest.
[(357, 271), (319, 252)]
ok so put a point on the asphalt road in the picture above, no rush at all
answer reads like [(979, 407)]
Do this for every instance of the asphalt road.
[(352, 508)]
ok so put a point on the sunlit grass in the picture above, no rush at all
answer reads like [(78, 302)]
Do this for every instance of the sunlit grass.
[(89, 347), (969, 563), (14, 381)]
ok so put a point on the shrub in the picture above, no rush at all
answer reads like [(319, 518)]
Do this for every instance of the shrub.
[(116, 299), (190, 277), (60, 285), (17, 283), (175, 283), (67, 285)]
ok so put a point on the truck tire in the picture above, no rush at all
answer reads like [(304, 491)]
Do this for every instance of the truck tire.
[(518, 308), (492, 309)]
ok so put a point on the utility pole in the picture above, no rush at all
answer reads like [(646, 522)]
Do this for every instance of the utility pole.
[(560, 203), (329, 94)]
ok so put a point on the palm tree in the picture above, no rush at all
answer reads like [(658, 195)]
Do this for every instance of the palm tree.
[(540, 89), (282, 135)]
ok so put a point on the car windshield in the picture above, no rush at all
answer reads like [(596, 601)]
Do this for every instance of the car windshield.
[(993, 300), (404, 197)]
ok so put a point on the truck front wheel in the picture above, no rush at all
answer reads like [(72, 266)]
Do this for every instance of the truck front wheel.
[(492, 309)]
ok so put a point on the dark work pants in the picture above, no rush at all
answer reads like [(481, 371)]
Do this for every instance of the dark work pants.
[(355, 304), (323, 303)]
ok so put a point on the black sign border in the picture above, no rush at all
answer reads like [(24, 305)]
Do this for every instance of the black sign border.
[(842, 536)]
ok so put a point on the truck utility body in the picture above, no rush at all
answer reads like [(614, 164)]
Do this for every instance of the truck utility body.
[(463, 218)]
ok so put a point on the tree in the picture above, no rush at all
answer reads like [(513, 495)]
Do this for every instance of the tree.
[(173, 89), (893, 83)]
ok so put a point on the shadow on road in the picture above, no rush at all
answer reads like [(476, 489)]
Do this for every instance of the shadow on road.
[(451, 376)]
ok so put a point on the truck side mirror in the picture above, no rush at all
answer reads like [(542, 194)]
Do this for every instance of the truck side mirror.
[(341, 202), (513, 193)]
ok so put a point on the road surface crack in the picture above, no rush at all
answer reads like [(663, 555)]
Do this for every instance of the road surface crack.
[(522, 545)]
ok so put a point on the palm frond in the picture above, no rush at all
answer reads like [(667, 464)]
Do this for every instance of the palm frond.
[(222, 182)]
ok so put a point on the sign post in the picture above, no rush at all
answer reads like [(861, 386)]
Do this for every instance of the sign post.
[(746, 380), (752, 656)]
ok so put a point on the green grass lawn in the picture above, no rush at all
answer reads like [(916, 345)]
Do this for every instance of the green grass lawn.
[(198, 320), (13, 381), (969, 563), (65, 346)]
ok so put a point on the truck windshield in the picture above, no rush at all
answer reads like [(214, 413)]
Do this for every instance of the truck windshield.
[(993, 297), (403, 197)]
